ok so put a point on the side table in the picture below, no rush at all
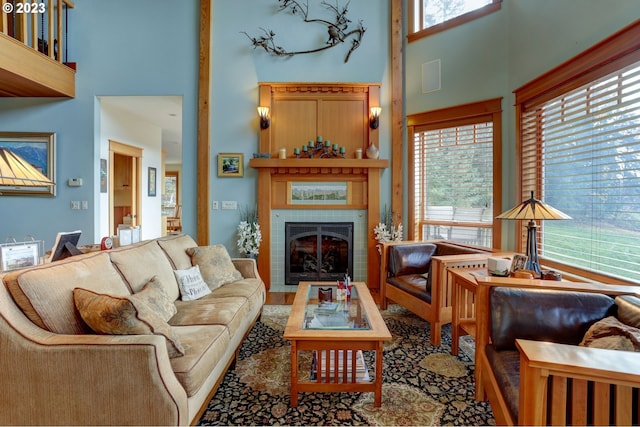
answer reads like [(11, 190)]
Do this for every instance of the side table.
[(463, 320)]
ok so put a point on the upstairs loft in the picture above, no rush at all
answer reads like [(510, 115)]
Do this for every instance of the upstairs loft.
[(33, 57)]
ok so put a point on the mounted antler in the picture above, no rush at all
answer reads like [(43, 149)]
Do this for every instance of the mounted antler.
[(337, 30)]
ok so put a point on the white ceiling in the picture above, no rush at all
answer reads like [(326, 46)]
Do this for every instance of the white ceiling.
[(164, 112)]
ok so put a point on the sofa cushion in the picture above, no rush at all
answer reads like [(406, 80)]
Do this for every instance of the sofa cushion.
[(544, 315), (176, 249), (231, 312), (139, 263), (191, 284), (215, 265), (45, 293), (120, 315), (612, 334), (153, 294), (414, 284), (205, 346), (629, 310), (251, 289), (410, 258)]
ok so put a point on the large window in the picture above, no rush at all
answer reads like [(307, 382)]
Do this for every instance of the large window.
[(580, 153), (432, 16), (453, 184)]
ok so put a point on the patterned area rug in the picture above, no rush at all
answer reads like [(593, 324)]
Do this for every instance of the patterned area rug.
[(422, 384)]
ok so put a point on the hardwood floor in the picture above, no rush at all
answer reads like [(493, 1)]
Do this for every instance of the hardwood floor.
[(280, 298)]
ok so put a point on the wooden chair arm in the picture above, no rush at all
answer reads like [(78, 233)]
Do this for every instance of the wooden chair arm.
[(581, 365), (582, 362)]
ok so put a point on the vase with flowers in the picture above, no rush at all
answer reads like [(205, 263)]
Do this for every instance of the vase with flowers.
[(249, 234), (387, 231)]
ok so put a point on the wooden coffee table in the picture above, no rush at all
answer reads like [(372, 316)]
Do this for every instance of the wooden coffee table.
[(336, 334)]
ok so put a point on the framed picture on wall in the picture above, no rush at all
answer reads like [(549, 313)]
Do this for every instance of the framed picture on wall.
[(38, 150), (230, 165), (152, 184)]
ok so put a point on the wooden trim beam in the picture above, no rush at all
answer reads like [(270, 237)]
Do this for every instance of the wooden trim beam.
[(397, 145), (203, 148)]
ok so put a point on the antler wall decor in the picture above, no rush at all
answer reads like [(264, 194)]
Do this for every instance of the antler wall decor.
[(338, 30)]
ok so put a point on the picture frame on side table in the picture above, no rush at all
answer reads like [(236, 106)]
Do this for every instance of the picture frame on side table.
[(152, 184), (231, 165), (39, 150)]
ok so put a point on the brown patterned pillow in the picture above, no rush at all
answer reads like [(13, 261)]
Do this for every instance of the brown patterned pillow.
[(215, 265), (118, 315), (613, 334), (154, 295)]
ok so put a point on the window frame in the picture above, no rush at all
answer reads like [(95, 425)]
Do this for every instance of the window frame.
[(613, 53), (417, 34), (488, 110)]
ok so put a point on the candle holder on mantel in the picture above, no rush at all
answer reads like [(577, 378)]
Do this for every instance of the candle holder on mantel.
[(320, 150)]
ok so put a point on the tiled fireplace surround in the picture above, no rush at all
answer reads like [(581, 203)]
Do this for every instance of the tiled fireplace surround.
[(281, 216)]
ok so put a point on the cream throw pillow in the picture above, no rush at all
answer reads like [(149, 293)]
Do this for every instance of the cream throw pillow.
[(215, 265), (191, 284), (120, 315)]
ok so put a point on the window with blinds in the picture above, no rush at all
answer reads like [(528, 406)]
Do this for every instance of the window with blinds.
[(453, 180), (581, 154)]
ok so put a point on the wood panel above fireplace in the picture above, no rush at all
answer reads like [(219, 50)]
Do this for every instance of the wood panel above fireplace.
[(300, 112)]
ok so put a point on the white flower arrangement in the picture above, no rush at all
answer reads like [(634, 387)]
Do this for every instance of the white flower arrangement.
[(249, 234), (386, 231), (384, 234)]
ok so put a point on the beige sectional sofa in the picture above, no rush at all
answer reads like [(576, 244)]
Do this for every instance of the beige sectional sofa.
[(54, 369)]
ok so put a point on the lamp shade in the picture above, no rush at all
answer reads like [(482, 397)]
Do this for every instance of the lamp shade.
[(16, 171), (533, 209)]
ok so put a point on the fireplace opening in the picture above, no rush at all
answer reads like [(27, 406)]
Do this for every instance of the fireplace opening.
[(320, 251)]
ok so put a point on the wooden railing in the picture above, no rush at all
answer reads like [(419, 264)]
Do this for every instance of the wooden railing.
[(25, 20)]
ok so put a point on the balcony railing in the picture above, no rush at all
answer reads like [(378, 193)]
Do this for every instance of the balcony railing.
[(40, 25)]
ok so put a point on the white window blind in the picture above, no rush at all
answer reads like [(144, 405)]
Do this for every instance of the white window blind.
[(453, 178), (581, 154)]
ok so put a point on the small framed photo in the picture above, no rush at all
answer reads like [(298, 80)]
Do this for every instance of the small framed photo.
[(230, 165), (152, 184), (518, 262), (21, 255)]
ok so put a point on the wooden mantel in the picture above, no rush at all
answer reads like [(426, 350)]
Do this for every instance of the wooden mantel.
[(273, 174)]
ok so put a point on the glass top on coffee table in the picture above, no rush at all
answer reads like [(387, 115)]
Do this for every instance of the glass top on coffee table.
[(327, 307)]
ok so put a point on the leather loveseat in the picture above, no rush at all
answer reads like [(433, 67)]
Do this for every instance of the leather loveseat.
[(414, 275), (545, 352), (55, 370)]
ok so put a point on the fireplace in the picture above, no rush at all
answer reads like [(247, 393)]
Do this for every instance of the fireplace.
[(321, 251)]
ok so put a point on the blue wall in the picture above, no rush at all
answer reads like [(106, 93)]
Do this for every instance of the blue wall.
[(494, 55), (146, 47), (150, 47), (237, 69)]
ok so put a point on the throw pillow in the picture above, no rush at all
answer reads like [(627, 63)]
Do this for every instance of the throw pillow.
[(191, 284), (215, 265), (118, 315), (154, 295), (613, 334), (629, 310)]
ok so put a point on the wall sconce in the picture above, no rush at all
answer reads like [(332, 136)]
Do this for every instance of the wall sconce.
[(374, 117), (263, 112)]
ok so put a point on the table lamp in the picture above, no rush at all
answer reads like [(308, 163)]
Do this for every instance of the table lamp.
[(533, 209), (16, 171)]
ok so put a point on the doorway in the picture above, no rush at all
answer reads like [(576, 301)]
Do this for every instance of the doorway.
[(125, 164)]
